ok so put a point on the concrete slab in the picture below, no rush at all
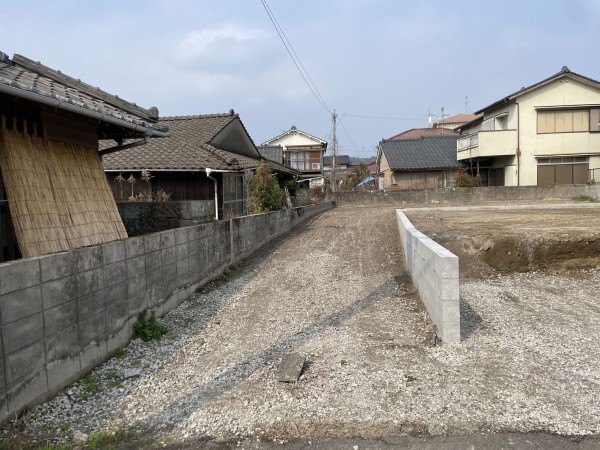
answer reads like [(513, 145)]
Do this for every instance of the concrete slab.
[(290, 368), (19, 275), (20, 304)]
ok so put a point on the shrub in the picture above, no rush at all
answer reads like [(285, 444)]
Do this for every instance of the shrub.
[(264, 193), (147, 328), (464, 179)]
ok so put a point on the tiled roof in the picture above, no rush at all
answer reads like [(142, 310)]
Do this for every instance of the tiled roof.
[(457, 118), (564, 72), (294, 130), (433, 152), (188, 148), (416, 133), (31, 80), (341, 160)]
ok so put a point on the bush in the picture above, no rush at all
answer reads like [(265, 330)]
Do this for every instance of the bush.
[(464, 179), (147, 328), (264, 193)]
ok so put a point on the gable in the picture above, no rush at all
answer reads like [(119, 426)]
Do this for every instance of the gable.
[(234, 138), (562, 92)]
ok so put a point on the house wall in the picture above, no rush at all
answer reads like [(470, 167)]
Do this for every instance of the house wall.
[(63, 314), (560, 92), (150, 217)]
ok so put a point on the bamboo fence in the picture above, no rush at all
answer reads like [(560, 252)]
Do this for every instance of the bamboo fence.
[(58, 195)]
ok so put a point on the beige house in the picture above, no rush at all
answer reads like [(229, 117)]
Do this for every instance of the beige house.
[(544, 134), (301, 151)]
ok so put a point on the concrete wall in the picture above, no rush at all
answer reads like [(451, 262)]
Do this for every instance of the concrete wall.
[(434, 270), (149, 217), (451, 196), (64, 313)]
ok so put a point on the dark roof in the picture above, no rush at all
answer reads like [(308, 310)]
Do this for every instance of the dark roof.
[(191, 146), (416, 133), (271, 152), (564, 72), (341, 160), (433, 152), (24, 78)]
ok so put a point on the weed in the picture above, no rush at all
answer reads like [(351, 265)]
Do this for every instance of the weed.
[(116, 383), (119, 353), (210, 286), (111, 374), (63, 426), (109, 439), (147, 328), (136, 363), (586, 199), (91, 384)]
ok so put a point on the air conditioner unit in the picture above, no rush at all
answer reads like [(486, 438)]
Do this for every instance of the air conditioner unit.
[(316, 166)]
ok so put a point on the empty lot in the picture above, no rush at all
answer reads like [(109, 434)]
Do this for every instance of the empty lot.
[(336, 290)]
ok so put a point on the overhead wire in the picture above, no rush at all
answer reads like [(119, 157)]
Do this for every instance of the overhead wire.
[(295, 59)]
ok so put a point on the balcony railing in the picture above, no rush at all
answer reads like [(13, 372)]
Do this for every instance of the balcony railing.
[(486, 144), (467, 142)]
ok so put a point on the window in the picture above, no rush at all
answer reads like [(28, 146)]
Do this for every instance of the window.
[(564, 160), (300, 160), (564, 121)]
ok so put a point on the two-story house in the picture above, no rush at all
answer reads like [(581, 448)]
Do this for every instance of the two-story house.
[(301, 151), (544, 134)]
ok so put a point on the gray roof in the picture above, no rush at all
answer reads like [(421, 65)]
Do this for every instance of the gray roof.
[(564, 72), (341, 160), (24, 78), (216, 141), (428, 152)]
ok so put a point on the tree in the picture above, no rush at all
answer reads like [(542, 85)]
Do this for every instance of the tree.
[(264, 193)]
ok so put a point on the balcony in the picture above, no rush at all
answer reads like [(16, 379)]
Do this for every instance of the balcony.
[(487, 144)]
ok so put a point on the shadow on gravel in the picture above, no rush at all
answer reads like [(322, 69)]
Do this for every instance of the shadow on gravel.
[(239, 372), (470, 321)]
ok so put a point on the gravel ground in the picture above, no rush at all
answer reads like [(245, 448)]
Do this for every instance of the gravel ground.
[(336, 290)]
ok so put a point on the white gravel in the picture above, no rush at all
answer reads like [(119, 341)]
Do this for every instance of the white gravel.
[(337, 292)]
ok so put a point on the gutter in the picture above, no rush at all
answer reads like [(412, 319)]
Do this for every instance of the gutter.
[(208, 172), (81, 110)]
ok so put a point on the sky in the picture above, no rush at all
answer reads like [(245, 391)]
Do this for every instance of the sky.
[(382, 65)]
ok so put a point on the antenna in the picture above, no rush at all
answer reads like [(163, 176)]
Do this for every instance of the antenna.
[(429, 116), (467, 104)]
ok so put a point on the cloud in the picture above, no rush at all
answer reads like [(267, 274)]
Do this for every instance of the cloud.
[(220, 48)]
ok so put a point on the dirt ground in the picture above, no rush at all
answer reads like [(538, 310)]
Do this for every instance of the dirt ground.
[(336, 290), (508, 240)]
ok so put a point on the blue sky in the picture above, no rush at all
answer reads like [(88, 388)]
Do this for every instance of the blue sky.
[(392, 61)]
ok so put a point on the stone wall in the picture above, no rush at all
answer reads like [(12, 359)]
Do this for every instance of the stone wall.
[(64, 313), (464, 195), (434, 270), (149, 217)]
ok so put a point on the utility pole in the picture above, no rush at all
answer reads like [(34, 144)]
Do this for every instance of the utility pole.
[(334, 153)]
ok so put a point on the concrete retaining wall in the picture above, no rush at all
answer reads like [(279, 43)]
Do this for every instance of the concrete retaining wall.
[(63, 314), (434, 270), (464, 195), (149, 217)]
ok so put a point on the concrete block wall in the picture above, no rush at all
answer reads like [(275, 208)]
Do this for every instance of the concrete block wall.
[(63, 314), (434, 271), (464, 195)]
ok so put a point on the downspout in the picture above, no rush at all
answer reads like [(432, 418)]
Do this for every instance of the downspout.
[(208, 171), (518, 152)]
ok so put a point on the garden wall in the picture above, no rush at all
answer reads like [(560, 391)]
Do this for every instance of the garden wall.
[(464, 195), (64, 313)]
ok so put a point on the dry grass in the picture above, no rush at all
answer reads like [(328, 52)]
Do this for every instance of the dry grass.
[(58, 194)]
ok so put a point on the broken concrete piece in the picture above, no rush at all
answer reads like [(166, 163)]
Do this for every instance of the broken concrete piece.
[(290, 368)]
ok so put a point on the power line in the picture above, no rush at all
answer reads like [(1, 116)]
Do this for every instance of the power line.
[(295, 59)]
